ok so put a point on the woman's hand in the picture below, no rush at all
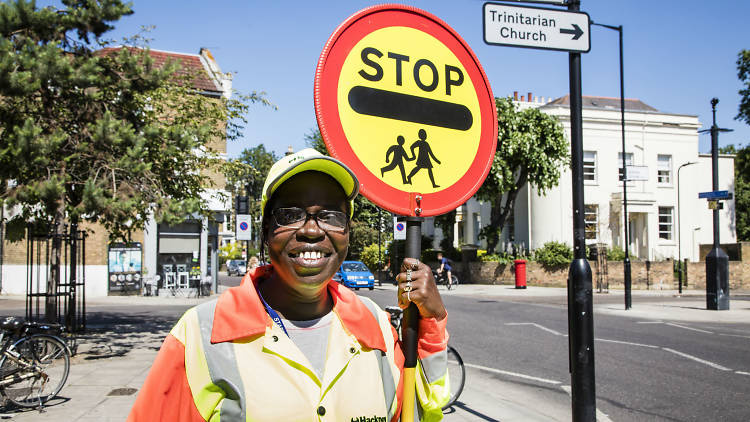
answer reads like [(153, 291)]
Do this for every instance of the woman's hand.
[(416, 284)]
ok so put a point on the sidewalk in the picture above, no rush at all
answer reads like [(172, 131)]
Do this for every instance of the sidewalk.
[(113, 361)]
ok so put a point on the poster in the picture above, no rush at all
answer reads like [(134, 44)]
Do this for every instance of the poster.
[(124, 267)]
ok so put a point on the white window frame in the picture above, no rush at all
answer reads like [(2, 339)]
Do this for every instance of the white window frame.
[(591, 219), (664, 170), (594, 173), (666, 229)]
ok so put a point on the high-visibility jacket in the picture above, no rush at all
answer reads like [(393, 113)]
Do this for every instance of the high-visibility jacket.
[(225, 360)]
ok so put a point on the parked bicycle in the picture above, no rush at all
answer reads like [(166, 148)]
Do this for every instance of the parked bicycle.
[(34, 362), (442, 278), (456, 370)]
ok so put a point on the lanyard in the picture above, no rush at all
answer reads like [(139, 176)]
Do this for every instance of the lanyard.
[(273, 314)]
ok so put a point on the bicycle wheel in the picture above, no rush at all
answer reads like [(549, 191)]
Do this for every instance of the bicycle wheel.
[(454, 281), (47, 362), (456, 375)]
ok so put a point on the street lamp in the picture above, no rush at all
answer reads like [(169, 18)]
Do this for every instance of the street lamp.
[(679, 225), (626, 261)]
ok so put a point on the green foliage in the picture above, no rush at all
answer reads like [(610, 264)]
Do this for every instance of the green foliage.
[(99, 135), (503, 258), (742, 193), (743, 73), (360, 236), (741, 188), (616, 253), (554, 254), (260, 160), (369, 257), (531, 148)]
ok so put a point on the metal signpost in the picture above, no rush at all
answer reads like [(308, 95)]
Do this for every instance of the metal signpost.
[(569, 30), (403, 101), (717, 261)]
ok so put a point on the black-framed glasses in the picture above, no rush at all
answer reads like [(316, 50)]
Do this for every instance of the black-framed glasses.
[(294, 218)]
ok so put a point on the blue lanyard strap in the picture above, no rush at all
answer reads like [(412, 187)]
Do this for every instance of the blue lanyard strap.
[(273, 314)]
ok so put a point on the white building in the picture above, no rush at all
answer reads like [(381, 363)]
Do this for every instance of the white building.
[(663, 144)]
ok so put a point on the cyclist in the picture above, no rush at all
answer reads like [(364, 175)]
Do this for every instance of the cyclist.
[(289, 343), (445, 265)]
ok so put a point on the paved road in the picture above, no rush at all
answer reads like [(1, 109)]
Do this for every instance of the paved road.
[(685, 368), (646, 370)]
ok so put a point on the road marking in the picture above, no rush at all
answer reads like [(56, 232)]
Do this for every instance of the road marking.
[(627, 342), (512, 374), (733, 335), (600, 416), (697, 359), (675, 325), (688, 328), (541, 327)]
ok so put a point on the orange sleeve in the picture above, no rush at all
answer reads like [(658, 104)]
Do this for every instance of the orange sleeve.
[(165, 395), (433, 336)]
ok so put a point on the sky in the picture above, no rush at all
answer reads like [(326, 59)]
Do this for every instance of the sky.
[(677, 54)]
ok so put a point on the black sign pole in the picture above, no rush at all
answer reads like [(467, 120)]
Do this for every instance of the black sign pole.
[(410, 323), (580, 303), (717, 261)]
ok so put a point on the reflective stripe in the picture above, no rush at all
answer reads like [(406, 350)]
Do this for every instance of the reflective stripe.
[(389, 382), (435, 366), (222, 366)]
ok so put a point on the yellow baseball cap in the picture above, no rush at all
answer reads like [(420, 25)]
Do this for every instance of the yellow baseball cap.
[(309, 159)]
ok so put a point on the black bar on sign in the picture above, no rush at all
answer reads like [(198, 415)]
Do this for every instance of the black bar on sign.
[(410, 108)]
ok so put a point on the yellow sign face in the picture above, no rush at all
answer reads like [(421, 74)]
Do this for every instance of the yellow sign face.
[(409, 109)]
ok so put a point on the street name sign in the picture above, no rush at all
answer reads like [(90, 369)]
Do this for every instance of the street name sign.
[(536, 27), (244, 227), (637, 173), (716, 195), (402, 100)]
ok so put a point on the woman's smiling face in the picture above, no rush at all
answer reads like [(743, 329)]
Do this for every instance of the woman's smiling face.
[(307, 256)]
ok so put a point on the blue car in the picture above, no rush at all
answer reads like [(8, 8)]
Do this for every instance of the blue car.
[(354, 274)]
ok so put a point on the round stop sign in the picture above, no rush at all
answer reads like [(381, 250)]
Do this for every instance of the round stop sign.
[(403, 101)]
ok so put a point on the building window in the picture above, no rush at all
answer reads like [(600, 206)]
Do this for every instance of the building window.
[(666, 221), (664, 169), (591, 221), (589, 165), (628, 162)]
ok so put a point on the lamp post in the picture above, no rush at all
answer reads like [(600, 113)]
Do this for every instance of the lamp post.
[(679, 225), (626, 261), (717, 261)]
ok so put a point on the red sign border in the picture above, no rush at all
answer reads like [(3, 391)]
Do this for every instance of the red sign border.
[(335, 52)]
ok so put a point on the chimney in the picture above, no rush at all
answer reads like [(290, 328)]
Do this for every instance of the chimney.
[(515, 95), (522, 98), (528, 97)]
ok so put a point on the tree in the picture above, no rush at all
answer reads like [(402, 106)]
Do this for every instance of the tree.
[(742, 161), (107, 136), (741, 189), (261, 161), (531, 147), (743, 73)]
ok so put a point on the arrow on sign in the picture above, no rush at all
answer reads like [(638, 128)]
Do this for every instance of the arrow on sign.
[(576, 31)]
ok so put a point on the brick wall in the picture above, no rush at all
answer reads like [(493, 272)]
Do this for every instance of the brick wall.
[(97, 241), (658, 276)]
